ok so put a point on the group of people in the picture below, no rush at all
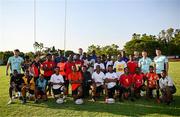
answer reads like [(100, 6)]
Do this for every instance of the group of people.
[(90, 76)]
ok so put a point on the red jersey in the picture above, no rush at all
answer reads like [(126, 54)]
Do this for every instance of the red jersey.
[(138, 80), (126, 80), (48, 67), (152, 80), (79, 64), (73, 76), (132, 66), (68, 68), (61, 66)]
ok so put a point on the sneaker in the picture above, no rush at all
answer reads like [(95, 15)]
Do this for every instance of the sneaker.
[(10, 101), (93, 99), (23, 101), (35, 101)]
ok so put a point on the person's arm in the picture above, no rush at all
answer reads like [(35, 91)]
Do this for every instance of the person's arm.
[(167, 67), (7, 68)]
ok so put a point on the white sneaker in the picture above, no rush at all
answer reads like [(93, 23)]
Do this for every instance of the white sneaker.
[(10, 101)]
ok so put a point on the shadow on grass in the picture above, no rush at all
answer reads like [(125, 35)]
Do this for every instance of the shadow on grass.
[(140, 107)]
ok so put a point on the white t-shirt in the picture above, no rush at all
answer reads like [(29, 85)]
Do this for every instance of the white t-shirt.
[(98, 78), (111, 76), (109, 63), (56, 79), (119, 66), (100, 64), (165, 82)]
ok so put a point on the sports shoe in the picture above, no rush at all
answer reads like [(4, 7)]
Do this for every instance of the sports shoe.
[(10, 101)]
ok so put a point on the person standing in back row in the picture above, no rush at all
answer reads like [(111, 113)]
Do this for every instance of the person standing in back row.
[(15, 62), (48, 68), (161, 63)]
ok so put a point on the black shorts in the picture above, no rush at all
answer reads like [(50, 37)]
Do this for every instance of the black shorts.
[(40, 92), (47, 78), (99, 89), (75, 92), (124, 89), (31, 91), (111, 91), (171, 88), (57, 91)]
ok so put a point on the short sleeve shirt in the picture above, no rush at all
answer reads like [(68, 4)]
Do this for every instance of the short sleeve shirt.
[(160, 63), (15, 63), (145, 63)]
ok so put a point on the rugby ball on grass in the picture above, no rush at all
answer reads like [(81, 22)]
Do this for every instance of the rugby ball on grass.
[(59, 101), (110, 101), (79, 101)]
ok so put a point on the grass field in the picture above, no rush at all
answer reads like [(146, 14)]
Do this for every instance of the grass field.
[(141, 107)]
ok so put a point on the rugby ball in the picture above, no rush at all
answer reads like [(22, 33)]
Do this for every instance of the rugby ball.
[(59, 101), (79, 101), (110, 101)]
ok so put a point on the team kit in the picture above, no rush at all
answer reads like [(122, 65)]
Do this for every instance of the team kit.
[(84, 77)]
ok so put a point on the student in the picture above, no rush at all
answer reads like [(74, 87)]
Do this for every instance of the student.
[(28, 86), (119, 66), (76, 80), (57, 82), (124, 58), (167, 87), (61, 66), (102, 67), (40, 88), (35, 67), (15, 85), (87, 80), (98, 83), (78, 62), (14, 62), (144, 62), (111, 79), (109, 62), (27, 63), (131, 64), (152, 83), (161, 62), (68, 70), (136, 56), (138, 79), (126, 85), (48, 68)]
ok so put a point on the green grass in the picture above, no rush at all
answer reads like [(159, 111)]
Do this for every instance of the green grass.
[(141, 107)]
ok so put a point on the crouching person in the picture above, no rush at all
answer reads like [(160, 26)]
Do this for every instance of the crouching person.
[(15, 85), (98, 84), (40, 89), (111, 79), (138, 79), (57, 82), (28, 87), (126, 86), (167, 87), (75, 79)]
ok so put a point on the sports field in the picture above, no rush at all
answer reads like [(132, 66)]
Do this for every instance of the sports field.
[(141, 107)]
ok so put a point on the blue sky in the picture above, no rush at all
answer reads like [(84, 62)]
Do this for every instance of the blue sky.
[(89, 22)]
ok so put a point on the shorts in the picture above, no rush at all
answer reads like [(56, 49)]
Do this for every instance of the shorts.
[(47, 78), (111, 91), (40, 92), (99, 89), (171, 88), (75, 92), (57, 91), (31, 91)]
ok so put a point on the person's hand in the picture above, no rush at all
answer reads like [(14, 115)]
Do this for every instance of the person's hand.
[(7, 73)]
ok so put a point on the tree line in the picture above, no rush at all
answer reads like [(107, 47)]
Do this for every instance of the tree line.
[(167, 40)]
